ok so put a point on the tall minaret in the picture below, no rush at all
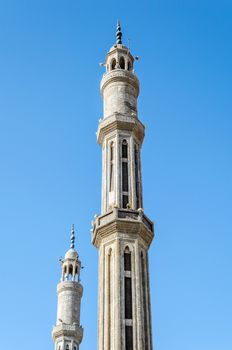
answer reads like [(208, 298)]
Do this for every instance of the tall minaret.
[(67, 333), (122, 232)]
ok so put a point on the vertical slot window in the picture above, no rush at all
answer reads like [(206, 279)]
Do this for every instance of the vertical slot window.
[(128, 298), (144, 297), (125, 178), (124, 201), (129, 337), (124, 149), (111, 167), (137, 182), (127, 260)]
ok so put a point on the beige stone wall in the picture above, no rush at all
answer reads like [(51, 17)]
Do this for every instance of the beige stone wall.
[(120, 229), (69, 299), (120, 97), (68, 331)]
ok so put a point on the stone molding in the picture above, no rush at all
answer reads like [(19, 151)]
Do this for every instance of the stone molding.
[(70, 285), (123, 223), (66, 330), (117, 122), (122, 75), (120, 49)]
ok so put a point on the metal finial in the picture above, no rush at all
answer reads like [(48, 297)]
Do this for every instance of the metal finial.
[(72, 245), (118, 34)]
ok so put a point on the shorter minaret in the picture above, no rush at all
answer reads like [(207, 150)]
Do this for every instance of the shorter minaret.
[(67, 333)]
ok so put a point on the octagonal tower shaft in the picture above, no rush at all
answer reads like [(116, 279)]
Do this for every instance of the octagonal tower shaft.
[(122, 232)]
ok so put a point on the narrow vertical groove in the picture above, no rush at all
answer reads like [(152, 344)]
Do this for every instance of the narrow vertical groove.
[(134, 298), (117, 332), (103, 182), (149, 304), (124, 174), (140, 179), (137, 182), (132, 175), (106, 303), (109, 299), (104, 177), (117, 173), (144, 293), (138, 305), (101, 300), (128, 302)]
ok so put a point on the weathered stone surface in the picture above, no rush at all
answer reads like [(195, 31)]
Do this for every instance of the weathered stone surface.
[(124, 313)]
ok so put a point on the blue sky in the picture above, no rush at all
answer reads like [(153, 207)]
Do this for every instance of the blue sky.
[(51, 164)]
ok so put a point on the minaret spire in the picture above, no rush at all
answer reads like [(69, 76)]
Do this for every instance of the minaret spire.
[(72, 245), (118, 33)]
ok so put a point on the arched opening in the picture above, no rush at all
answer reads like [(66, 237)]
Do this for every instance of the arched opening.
[(124, 149), (70, 271), (67, 347), (122, 63), (127, 259), (113, 64)]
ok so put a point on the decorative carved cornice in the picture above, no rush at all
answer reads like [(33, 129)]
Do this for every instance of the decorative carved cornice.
[(118, 222), (120, 122), (67, 330), (120, 75), (70, 285)]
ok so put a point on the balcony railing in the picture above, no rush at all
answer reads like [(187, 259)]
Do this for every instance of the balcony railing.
[(123, 214)]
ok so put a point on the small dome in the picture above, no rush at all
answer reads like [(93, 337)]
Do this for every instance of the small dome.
[(71, 254)]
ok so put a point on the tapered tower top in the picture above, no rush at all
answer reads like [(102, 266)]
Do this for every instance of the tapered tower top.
[(119, 63), (72, 253)]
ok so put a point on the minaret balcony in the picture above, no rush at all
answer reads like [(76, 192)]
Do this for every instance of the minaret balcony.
[(134, 222), (68, 330), (118, 121)]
